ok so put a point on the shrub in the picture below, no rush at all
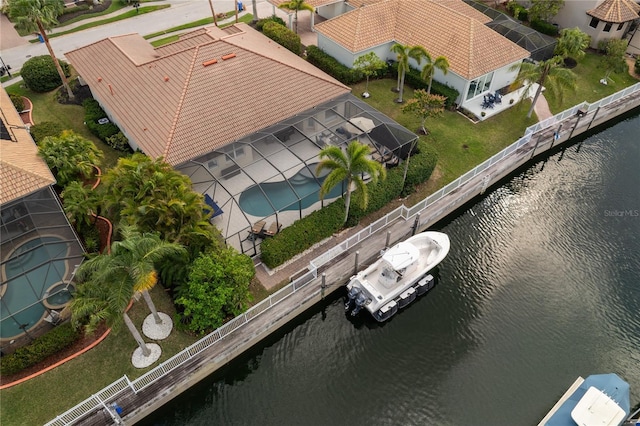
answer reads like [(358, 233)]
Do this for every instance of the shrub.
[(637, 66), (544, 27), (92, 113), (40, 74), (283, 36), (413, 79), (331, 66), (118, 142), (44, 129), (321, 224), (272, 18), (44, 346), (17, 102), (518, 11)]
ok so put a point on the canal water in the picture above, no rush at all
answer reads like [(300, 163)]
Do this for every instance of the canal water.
[(542, 285)]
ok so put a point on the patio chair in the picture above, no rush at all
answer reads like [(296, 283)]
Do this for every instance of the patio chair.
[(274, 228), (258, 227)]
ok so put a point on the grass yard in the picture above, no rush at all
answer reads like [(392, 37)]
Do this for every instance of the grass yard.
[(461, 145), (590, 70), (47, 108), (40, 399)]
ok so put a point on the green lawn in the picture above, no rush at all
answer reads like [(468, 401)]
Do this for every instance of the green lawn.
[(590, 70), (40, 399), (460, 144), (47, 108)]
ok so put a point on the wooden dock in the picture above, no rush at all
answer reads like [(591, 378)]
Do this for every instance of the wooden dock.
[(337, 272)]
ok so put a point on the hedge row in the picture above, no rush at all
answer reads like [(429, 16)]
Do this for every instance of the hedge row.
[(109, 133), (44, 346), (637, 66), (413, 79), (323, 223), (283, 36), (331, 66), (46, 128), (544, 27), (272, 18)]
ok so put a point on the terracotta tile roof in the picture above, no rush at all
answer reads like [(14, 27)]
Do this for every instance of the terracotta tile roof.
[(616, 11), (22, 171), (176, 107), (450, 28)]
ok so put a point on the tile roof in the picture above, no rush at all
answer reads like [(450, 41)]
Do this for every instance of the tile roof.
[(450, 28), (22, 171), (616, 11), (177, 107)]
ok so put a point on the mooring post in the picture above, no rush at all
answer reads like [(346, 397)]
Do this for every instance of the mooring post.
[(355, 269), (386, 244), (415, 224), (323, 285)]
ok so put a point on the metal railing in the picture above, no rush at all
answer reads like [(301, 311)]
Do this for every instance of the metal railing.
[(109, 393)]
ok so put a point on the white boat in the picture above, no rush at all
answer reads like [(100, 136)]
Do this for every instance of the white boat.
[(600, 399), (398, 277)]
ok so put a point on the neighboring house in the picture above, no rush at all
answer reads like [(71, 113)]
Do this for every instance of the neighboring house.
[(240, 115), (480, 59), (601, 19), (39, 251)]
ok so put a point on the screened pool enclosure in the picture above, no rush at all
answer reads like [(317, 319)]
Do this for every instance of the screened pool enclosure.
[(266, 181), (40, 253)]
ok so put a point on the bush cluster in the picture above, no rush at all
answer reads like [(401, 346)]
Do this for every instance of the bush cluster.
[(321, 224), (637, 65), (92, 113), (119, 142), (283, 36), (518, 11), (544, 27), (413, 79), (44, 129), (331, 66), (17, 102), (272, 18), (40, 74), (44, 346)]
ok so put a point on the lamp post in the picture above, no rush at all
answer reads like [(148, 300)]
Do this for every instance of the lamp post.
[(136, 4)]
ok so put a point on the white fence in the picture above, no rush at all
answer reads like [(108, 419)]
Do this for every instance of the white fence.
[(111, 392)]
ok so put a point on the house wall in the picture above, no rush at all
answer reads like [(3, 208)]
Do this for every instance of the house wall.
[(502, 77), (634, 43), (598, 33), (574, 14), (332, 10)]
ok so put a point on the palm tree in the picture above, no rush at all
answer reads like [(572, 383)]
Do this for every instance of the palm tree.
[(213, 12), (131, 261), (430, 67), (40, 15), (79, 203), (69, 156), (572, 44), (348, 166), (550, 74), (296, 5), (254, 5), (403, 53)]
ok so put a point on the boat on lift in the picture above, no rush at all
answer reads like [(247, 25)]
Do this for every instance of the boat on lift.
[(398, 277)]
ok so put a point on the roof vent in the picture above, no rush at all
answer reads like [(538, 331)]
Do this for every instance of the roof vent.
[(99, 79), (229, 56), (210, 62), (166, 78)]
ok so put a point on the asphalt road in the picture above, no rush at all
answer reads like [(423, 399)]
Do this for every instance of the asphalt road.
[(180, 12)]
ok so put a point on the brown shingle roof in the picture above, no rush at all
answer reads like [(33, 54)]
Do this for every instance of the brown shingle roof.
[(22, 171), (176, 107), (314, 3), (449, 28), (616, 11)]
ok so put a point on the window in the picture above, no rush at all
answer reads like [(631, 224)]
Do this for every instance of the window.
[(594, 23), (212, 164), (620, 25), (479, 85), (607, 27)]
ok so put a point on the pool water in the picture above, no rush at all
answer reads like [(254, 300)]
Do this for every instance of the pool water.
[(284, 195), (38, 264)]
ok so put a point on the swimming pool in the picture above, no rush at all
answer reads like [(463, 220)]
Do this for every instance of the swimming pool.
[(36, 266), (282, 196)]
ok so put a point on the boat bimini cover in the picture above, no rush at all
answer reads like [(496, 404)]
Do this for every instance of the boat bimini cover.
[(401, 255)]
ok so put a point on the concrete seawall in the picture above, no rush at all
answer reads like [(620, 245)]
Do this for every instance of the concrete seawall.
[(138, 405)]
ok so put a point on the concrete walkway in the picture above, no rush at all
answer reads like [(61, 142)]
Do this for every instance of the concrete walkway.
[(542, 108)]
